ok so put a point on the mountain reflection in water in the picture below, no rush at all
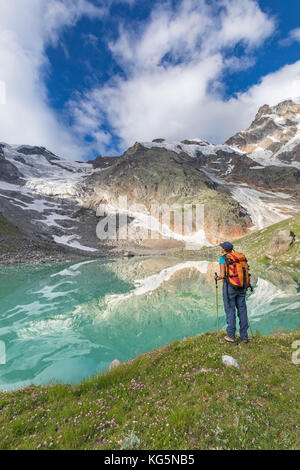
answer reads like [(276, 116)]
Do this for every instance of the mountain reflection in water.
[(66, 322)]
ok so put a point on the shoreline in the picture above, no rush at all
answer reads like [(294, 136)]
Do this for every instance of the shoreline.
[(113, 367), (174, 397), (63, 255), (40, 256)]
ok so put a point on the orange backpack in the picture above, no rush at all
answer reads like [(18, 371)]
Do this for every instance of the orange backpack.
[(237, 270)]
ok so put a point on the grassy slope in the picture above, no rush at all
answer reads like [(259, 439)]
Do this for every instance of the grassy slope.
[(178, 397), (255, 244)]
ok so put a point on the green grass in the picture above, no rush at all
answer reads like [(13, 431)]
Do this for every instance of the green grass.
[(177, 397), (256, 243), (254, 246)]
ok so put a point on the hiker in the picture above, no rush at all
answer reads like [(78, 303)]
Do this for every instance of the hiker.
[(234, 271)]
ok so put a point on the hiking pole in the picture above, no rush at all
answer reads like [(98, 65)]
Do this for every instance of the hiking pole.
[(250, 326), (217, 304), (248, 318)]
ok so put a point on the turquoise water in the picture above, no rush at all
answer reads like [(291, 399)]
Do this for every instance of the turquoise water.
[(66, 322)]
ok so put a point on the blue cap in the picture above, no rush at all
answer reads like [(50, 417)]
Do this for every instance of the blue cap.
[(227, 246)]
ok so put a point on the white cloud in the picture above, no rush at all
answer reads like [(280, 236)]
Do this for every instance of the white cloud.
[(26, 28), (244, 21), (90, 39), (174, 65), (172, 80), (221, 119), (294, 36), (192, 31)]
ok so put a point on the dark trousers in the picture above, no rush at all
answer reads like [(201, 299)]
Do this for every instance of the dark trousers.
[(235, 300)]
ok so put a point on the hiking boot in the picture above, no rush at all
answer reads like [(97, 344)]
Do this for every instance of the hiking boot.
[(230, 340), (245, 341)]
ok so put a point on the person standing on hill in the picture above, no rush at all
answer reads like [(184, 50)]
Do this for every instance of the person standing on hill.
[(234, 271)]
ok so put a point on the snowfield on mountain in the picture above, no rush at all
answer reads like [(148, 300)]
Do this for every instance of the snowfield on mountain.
[(253, 178)]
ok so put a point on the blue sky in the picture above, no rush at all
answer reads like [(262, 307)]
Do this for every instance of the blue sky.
[(88, 62), (88, 77)]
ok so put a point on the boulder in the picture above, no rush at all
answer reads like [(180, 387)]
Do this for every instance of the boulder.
[(230, 361), (280, 243), (116, 363)]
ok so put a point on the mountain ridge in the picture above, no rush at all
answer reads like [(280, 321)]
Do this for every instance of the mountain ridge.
[(248, 183)]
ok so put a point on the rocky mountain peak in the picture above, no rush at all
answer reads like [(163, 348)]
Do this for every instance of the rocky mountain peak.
[(263, 110), (273, 138), (286, 109)]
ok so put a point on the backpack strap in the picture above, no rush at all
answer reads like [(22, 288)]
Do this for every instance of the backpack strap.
[(236, 260), (227, 263)]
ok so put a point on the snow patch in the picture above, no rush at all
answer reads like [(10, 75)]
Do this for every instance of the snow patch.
[(70, 240), (144, 222), (192, 149), (38, 166), (264, 208), (54, 187)]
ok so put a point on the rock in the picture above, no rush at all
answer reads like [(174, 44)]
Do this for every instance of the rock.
[(275, 131), (230, 361), (161, 175), (103, 162), (280, 243), (116, 363), (8, 171), (195, 142), (61, 197)]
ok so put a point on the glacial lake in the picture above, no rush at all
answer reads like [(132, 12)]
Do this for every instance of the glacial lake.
[(66, 322)]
